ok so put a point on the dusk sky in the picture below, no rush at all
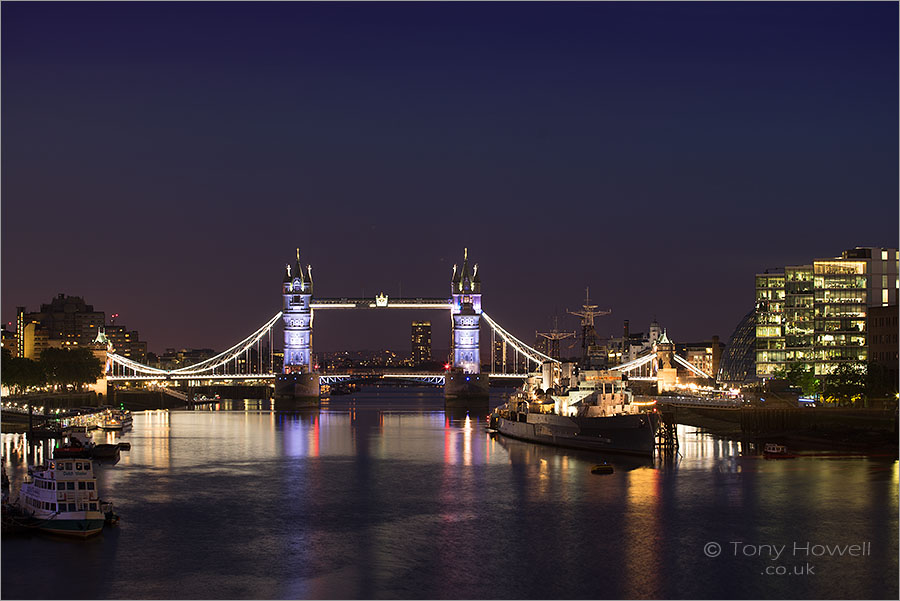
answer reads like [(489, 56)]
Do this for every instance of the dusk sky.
[(163, 160)]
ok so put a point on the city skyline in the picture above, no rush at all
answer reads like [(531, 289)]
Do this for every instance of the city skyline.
[(660, 155)]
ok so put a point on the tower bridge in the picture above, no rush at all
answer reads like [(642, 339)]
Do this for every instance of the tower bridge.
[(299, 380)]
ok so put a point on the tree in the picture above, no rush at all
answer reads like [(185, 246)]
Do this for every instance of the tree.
[(880, 383), (76, 367), (846, 384), (800, 375), (20, 373)]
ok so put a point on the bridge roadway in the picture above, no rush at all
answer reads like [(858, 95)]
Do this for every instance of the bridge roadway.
[(380, 302), (329, 378)]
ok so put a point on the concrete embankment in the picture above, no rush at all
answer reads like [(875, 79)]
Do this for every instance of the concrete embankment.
[(816, 427)]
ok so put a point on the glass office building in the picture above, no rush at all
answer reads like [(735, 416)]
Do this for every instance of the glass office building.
[(816, 314)]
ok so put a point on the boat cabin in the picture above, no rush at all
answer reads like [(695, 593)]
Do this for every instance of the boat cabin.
[(65, 485)]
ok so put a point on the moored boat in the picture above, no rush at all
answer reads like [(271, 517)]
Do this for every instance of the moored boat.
[(110, 423), (776, 451), (76, 445), (105, 451), (598, 415), (116, 420), (62, 497)]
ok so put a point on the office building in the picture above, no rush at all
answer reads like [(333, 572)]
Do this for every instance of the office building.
[(125, 342), (816, 314), (10, 342), (499, 354), (69, 322), (881, 333), (421, 342), (738, 363)]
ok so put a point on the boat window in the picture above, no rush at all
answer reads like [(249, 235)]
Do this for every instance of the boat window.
[(60, 495), (68, 465), (90, 485), (72, 507), (77, 466), (81, 486), (93, 507), (52, 506), (70, 485)]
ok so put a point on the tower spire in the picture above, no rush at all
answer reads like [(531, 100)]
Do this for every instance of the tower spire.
[(300, 268)]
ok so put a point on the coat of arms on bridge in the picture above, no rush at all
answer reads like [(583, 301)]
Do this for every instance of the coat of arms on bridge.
[(381, 300)]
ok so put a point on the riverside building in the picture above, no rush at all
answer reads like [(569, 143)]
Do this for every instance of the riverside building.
[(816, 314), (69, 322)]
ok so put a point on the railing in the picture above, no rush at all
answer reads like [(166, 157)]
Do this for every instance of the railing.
[(181, 396)]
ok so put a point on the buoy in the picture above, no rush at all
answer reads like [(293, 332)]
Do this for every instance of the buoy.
[(604, 468)]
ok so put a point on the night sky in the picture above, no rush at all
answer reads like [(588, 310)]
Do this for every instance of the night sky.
[(165, 159)]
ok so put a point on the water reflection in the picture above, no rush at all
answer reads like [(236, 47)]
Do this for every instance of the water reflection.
[(528, 453), (380, 495)]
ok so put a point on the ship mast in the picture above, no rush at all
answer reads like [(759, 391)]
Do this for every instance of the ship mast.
[(588, 334), (554, 336)]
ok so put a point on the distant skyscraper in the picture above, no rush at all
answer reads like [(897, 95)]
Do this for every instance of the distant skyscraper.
[(421, 342), (816, 314), (499, 355)]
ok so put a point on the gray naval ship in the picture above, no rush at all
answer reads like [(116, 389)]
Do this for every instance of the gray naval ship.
[(599, 414)]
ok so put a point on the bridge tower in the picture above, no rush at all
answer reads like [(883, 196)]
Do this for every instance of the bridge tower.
[(465, 382), (298, 380), (667, 375)]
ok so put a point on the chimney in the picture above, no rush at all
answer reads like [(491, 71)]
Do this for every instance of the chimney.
[(626, 330)]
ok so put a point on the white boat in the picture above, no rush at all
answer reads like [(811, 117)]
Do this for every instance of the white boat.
[(110, 423), (123, 416), (62, 497), (116, 419)]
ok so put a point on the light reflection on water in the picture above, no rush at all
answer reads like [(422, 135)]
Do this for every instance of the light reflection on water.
[(384, 494)]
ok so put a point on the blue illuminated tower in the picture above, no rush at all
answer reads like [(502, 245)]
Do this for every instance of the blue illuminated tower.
[(466, 313), (298, 381), (297, 293), (465, 382)]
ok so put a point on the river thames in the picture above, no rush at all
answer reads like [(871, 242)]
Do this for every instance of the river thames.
[(382, 494)]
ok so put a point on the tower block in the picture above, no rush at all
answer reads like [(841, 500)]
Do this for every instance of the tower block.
[(465, 382), (298, 380)]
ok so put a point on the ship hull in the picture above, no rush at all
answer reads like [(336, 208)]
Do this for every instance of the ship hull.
[(78, 527), (631, 434)]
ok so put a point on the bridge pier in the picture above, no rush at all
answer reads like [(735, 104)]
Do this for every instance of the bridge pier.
[(462, 390), (299, 389)]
